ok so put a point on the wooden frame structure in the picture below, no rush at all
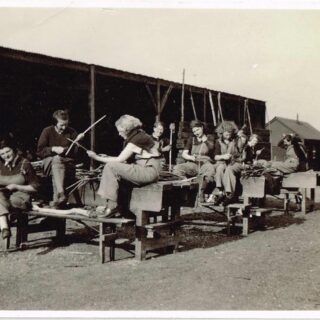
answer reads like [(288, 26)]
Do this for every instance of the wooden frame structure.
[(65, 82)]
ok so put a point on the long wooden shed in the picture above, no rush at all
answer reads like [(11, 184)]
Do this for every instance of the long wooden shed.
[(33, 85)]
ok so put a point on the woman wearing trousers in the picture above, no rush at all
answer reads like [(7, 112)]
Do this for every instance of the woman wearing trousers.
[(138, 162)]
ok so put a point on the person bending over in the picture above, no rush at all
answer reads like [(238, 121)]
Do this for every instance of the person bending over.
[(17, 181), (141, 155), (295, 160)]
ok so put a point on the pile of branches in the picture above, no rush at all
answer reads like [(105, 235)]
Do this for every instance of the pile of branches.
[(85, 176), (252, 171)]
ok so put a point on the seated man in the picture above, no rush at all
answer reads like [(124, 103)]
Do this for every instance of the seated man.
[(52, 147), (17, 181)]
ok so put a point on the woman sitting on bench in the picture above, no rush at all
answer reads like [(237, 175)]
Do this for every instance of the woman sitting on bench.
[(296, 157), (17, 181), (143, 164), (198, 154)]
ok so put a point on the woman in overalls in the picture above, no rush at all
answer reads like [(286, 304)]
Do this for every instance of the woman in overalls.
[(142, 159), (17, 181), (224, 151), (198, 154)]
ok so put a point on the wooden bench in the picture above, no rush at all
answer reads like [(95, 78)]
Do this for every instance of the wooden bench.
[(296, 184), (302, 181), (160, 202), (105, 238), (251, 217)]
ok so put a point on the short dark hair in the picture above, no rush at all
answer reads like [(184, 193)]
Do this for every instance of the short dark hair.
[(7, 141), (60, 115)]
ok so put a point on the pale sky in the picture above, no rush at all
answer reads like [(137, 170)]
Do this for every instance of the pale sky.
[(268, 55)]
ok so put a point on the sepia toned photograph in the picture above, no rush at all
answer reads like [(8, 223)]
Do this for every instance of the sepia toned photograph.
[(159, 159)]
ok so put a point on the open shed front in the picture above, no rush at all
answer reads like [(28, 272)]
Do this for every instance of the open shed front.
[(32, 86)]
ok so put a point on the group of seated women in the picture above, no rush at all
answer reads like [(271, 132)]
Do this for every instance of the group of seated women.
[(139, 162), (221, 162)]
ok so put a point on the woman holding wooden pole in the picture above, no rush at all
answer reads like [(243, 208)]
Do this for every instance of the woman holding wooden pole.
[(198, 154)]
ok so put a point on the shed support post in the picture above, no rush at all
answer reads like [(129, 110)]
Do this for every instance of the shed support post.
[(92, 108), (158, 102), (204, 106)]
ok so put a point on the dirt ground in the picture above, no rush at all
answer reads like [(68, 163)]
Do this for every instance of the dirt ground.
[(274, 269)]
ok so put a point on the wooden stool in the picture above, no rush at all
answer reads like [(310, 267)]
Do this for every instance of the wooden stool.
[(258, 217), (238, 210), (286, 200), (302, 181)]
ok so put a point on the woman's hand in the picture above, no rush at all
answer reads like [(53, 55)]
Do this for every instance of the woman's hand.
[(204, 138), (79, 137), (12, 187), (91, 154), (57, 150)]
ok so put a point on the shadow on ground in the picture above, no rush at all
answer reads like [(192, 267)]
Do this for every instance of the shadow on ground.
[(199, 230)]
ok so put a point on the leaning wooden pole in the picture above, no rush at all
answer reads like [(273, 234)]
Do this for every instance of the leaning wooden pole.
[(92, 107), (182, 97), (204, 106), (158, 101)]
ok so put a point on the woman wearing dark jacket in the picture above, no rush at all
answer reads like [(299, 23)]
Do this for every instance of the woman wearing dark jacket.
[(17, 181)]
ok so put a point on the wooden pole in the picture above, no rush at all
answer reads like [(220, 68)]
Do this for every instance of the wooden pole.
[(165, 98), (92, 108), (212, 109), (182, 97), (172, 129), (193, 106), (158, 102), (204, 106), (219, 106)]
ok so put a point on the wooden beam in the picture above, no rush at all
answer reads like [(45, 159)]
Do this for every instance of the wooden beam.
[(151, 96), (182, 97), (193, 106), (165, 98), (92, 107), (41, 59), (204, 106), (158, 102)]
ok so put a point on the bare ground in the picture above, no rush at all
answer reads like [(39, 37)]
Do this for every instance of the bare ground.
[(275, 269)]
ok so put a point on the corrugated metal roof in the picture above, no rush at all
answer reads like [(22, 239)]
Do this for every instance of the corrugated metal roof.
[(302, 128)]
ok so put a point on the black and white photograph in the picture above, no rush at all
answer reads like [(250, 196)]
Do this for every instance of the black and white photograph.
[(161, 158)]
